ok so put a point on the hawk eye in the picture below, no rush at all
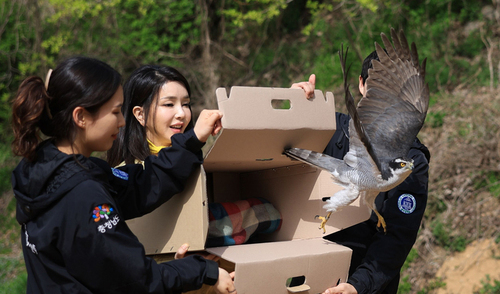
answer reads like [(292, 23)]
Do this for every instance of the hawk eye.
[(402, 164)]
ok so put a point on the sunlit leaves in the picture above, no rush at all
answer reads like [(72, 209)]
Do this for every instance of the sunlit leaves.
[(370, 4), (257, 11)]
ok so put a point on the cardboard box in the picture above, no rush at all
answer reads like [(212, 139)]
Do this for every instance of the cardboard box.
[(246, 161)]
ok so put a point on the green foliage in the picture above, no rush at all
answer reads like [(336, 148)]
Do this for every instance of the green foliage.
[(15, 43), (327, 70), (410, 258), (12, 269), (435, 207), (493, 180), (432, 285), (404, 286), (489, 286), (8, 265), (464, 129), (470, 47), (444, 237), (435, 118), (123, 30), (5, 183), (79, 8), (166, 26), (17, 285), (7, 164), (489, 180), (254, 11), (293, 16), (369, 4), (8, 224)]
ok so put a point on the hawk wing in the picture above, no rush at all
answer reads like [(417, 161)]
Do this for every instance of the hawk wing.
[(361, 154), (390, 115)]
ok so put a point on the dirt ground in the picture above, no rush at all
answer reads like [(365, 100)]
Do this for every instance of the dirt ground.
[(464, 271)]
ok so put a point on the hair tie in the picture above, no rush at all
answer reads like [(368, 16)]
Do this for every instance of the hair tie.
[(47, 78)]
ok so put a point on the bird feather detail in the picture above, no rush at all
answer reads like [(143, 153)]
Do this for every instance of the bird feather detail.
[(382, 127)]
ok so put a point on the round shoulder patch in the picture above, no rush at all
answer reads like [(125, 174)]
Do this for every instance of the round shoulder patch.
[(105, 217), (407, 203), (120, 174), (102, 212)]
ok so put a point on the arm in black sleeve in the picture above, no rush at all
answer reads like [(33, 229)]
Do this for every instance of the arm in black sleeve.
[(106, 257), (387, 253), (160, 178)]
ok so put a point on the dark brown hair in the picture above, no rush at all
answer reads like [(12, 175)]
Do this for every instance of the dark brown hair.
[(77, 81), (141, 89)]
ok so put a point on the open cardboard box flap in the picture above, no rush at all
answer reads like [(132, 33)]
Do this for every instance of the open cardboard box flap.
[(255, 134)]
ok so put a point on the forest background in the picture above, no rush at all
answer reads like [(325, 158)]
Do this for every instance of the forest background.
[(275, 43)]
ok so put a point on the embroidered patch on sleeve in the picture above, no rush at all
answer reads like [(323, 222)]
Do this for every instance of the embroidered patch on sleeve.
[(407, 203), (105, 215), (120, 174)]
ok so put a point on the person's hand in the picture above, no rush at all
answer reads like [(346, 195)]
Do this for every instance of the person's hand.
[(225, 284), (208, 123), (308, 86), (182, 252), (342, 288)]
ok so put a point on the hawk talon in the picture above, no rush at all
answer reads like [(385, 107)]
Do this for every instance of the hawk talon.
[(381, 222), (323, 221)]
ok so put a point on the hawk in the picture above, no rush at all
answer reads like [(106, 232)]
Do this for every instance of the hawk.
[(381, 130)]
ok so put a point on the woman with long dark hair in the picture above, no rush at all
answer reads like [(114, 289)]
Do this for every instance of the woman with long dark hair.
[(156, 106)]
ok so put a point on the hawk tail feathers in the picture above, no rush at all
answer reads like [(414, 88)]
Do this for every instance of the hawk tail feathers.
[(316, 159)]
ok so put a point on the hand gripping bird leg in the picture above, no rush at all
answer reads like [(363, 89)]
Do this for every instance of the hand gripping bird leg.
[(323, 221)]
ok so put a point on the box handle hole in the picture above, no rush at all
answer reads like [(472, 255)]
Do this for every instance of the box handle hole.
[(297, 284), (281, 104)]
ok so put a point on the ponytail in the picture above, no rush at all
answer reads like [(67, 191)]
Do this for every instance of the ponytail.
[(29, 109), (48, 109)]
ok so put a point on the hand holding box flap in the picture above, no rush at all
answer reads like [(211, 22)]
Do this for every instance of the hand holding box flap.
[(250, 108), (255, 134)]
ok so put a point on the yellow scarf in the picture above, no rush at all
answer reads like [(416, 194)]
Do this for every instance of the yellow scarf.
[(155, 149)]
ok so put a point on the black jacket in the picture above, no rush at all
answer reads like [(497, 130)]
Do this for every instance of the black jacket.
[(378, 257), (72, 212)]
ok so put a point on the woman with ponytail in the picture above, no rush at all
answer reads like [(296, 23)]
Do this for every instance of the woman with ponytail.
[(72, 207)]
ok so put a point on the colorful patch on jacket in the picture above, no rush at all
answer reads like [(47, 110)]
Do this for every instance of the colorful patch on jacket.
[(120, 174), (105, 215), (407, 203), (102, 212)]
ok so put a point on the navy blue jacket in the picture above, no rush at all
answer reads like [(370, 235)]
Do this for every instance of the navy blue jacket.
[(378, 257), (72, 212)]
